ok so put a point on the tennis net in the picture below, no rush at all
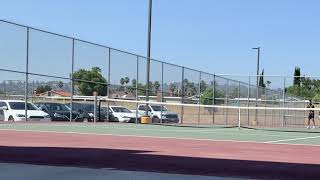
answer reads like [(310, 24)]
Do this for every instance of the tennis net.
[(198, 115)]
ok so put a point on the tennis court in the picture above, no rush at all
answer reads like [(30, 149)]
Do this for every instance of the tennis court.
[(288, 153)]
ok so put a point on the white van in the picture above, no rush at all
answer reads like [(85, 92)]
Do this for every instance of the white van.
[(14, 110)]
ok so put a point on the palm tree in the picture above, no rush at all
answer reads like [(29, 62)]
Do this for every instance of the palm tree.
[(134, 83), (268, 83), (172, 88), (122, 81), (156, 86), (126, 80)]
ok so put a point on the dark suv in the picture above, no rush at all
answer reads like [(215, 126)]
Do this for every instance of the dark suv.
[(59, 112), (88, 110)]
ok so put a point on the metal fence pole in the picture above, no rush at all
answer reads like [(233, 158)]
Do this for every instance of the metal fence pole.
[(199, 99), (284, 101), (213, 96), (257, 97), (71, 76), (273, 105), (265, 104), (137, 90), (95, 94), (182, 96), (4, 88), (27, 78), (227, 99), (32, 93), (239, 104), (248, 103), (161, 91), (108, 84)]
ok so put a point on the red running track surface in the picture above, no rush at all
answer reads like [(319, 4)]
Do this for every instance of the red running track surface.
[(194, 157)]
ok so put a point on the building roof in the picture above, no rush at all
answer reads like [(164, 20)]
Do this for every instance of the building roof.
[(55, 92)]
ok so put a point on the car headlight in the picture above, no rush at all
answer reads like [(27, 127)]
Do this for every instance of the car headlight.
[(55, 115), (163, 116), (91, 114), (48, 116), (20, 115)]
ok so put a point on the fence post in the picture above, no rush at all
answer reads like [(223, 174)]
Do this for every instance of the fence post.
[(161, 91), (199, 97), (213, 96), (95, 95), (257, 97), (26, 87), (182, 98), (4, 89), (265, 104), (108, 83), (239, 104), (248, 103), (227, 103), (137, 90), (284, 101), (71, 82)]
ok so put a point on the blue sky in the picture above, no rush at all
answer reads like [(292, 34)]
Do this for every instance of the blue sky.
[(210, 35)]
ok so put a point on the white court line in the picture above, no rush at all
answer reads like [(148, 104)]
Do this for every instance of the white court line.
[(294, 139), (163, 137), (216, 131)]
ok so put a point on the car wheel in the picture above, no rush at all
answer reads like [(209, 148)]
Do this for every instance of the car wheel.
[(85, 120), (155, 120), (11, 118), (116, 119)]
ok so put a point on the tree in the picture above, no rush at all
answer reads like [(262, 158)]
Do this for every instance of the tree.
[(42, 89), (172, 88), (122, 81), (60, 84), (189, 88), (297, 78), (134, 83), (126, 80), (203, 86), (261, 79), (81, 78), (268, 83), (156, 86), (207, 97)]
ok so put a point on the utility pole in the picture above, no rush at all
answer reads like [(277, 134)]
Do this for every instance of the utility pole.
[(148, 53), (257, 84)]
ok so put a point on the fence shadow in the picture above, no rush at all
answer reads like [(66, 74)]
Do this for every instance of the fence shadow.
[(148, 161)]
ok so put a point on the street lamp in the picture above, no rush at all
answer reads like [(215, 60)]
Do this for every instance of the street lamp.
[(257, 84), (148, 52), (258, 62), (149, 48)]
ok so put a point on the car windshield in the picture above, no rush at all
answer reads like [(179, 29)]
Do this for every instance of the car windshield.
[(121, 109), (158, 108), (21, 106), (88, 107), (57, 107), (105, 109)]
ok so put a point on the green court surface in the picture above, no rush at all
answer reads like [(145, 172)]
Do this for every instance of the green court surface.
[(286, 136)]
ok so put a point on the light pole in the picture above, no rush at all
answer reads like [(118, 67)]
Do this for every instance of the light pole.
[(148, 53), (257, 84)]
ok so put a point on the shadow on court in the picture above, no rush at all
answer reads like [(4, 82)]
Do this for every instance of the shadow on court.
[(131, 160)]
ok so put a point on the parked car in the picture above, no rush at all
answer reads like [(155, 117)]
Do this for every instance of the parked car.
[(59, 112), (122, 114), (14, 110), (87, 111), (156, 112)]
